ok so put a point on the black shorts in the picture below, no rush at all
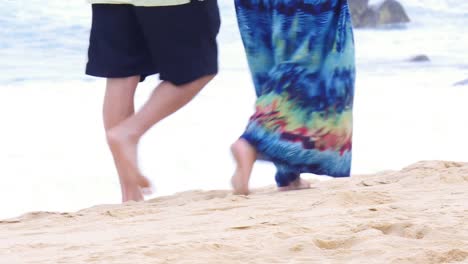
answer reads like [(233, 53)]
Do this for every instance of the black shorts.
[(178, 42)]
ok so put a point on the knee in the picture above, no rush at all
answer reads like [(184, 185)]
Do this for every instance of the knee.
[(111, 137), (114, 137)]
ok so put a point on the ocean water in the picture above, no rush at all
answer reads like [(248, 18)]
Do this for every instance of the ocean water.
[(53, 154)]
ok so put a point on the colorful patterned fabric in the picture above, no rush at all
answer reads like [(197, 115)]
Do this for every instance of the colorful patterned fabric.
[(301, 56)]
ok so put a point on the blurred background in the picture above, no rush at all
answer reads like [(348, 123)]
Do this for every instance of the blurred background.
[(410, 105)]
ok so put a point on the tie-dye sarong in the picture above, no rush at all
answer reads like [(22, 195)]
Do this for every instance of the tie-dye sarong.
[(301, 56)]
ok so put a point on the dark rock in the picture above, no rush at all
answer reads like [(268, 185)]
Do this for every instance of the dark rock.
[(370, 18), (358, 6), (385, 13), (357, 9), (392, 12), (461, 83), (420, 58)]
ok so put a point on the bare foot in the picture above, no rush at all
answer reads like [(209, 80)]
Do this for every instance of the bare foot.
[(299, 184), (124, 150), (239, 186), (245, 156), (132, 192)]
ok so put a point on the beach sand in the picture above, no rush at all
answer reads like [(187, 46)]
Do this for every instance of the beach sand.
[(416, 215)]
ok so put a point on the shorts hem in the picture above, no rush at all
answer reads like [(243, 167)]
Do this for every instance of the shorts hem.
[(181, 80), (122, 74)]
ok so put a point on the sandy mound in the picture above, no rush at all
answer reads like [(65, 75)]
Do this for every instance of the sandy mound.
[(416, 215)]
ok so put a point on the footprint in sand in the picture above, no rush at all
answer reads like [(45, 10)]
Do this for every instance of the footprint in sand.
[(406, 230), (335, 243)]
